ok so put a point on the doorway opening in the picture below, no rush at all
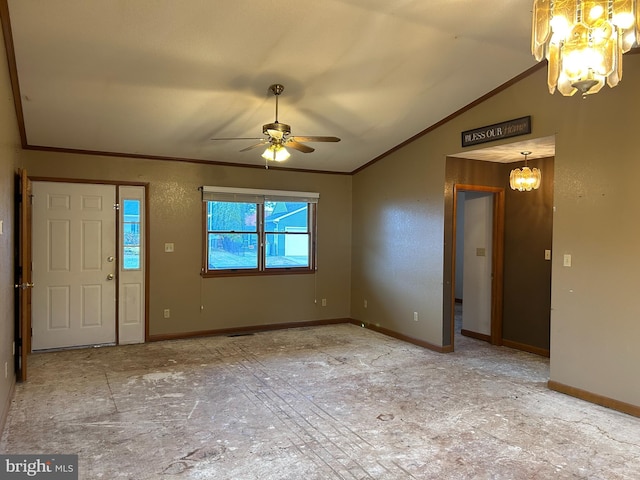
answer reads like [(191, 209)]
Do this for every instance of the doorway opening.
[(477, 263)]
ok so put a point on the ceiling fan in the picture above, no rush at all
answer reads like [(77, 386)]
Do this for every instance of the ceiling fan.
[(278, 136)]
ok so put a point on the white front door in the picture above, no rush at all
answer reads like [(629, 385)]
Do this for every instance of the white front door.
[(74, 250)]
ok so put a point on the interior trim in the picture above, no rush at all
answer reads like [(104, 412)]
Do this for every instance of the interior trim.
[(595, 398), (158, 337), (497, 260), (282, 326), (543, 352), (404, 338), (478, 336)]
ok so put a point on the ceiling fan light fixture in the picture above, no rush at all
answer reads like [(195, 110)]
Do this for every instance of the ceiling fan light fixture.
[(276, 152)]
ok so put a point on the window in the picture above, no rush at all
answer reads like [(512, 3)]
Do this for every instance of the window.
[(131, 234), (255, 232)]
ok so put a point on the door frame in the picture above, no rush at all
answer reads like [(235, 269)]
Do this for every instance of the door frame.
[(23, 284), (24, 325), (497, 258)]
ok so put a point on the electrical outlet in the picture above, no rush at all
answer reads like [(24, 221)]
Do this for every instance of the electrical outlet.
[(167, 313), (415, 316), (324, 302)]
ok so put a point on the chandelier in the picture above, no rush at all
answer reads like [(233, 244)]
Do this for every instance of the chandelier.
[(584, 40), (525, 178)]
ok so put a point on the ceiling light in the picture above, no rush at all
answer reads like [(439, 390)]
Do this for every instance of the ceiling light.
[(584, 40), (525, 179), (276, 152)]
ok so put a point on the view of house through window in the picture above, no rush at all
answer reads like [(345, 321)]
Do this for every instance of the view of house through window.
[(258, 233)]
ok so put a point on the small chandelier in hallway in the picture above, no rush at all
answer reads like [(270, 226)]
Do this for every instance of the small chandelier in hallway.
[(584, 40), (525, 178)]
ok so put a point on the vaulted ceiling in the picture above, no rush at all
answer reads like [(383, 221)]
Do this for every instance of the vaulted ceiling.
[(162, 78)]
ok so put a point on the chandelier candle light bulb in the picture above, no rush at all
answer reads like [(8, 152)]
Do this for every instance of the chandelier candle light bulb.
[(583, 41), (525, 179)]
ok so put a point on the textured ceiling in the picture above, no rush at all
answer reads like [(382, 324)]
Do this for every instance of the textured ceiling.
[(162, 78)]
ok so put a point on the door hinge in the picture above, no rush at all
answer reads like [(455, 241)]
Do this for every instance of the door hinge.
[(116, 206)]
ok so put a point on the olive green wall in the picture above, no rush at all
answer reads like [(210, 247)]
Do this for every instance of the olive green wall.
[(175, 215), (398, 249), (9, 146)]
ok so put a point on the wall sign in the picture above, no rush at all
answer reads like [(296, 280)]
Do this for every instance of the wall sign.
[(510, 128)]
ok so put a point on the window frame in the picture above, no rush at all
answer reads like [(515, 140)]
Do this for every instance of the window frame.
[(260, 197)]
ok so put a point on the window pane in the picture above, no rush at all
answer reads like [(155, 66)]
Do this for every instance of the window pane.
[(131, 234), (131, 210), (131, 258), (232, 251), (287, 250), (231, 217), (280, 216)]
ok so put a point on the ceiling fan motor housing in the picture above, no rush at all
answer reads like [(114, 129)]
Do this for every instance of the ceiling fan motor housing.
[(282, 128)]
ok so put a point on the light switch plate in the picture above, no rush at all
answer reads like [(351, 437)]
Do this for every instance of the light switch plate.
[(567, 260), (168, 247), (547, 254)]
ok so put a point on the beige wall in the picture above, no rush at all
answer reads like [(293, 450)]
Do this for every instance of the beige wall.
[(394, 257), (398, 241), (175, 215), (9, 145)]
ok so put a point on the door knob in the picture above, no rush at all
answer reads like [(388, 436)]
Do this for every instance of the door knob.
[(110, 259), (23, 285), (110, 276)]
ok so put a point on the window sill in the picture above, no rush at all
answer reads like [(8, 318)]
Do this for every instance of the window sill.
[(256, 273)]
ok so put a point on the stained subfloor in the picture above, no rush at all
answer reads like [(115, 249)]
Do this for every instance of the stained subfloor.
[(334, 402)]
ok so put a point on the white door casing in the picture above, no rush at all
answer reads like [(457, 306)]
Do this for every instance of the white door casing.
[(75, 289), (131, 278)]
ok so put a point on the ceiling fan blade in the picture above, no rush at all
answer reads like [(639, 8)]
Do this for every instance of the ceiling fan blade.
[(259, 144), (315, 139), (237, 138), (299, 146)]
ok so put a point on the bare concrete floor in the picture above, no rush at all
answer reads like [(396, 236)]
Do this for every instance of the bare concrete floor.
[(336, 402)]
